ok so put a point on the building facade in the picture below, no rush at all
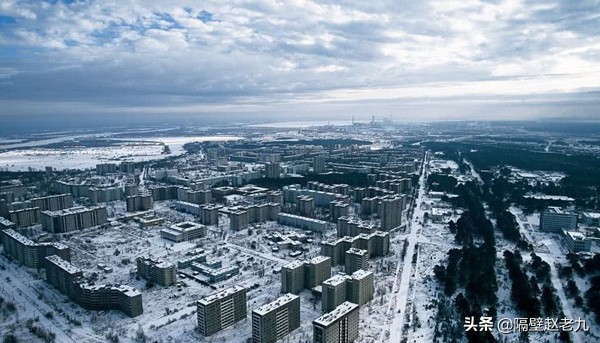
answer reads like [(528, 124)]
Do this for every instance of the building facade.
[(337, 326), (276, 320), (221, 310)]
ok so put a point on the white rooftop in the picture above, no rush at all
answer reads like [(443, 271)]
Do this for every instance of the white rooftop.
[(223, 294), (339, 312), (279, 302)]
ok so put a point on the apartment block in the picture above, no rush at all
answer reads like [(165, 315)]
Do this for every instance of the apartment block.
[(53, 202), (209, 214), (276, 319), (333, 292), (272, 170), (159, 272), (356, 259), (31, 254), (316, 270), (360, 287), (306, 205), (337, 326), (304, 223), (221, 310), (338, 209), (292, 277), (25, 217), (105, 194), (69, 280), (377, 244), (137, 203), (75, 218)]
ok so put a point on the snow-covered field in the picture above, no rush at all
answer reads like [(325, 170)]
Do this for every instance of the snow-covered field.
[(34, 155)]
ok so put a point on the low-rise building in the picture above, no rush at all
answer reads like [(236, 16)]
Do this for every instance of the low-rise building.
[(184, 231), (577, 241)]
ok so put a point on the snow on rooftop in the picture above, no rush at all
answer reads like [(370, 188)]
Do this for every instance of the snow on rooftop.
[(356, 251), (318, 259), (336, 280), (294, 265), (64, 265), (223, 294), (339, 312), (279, 302)]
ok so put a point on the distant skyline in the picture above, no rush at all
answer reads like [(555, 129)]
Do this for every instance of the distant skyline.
[(294, 60)]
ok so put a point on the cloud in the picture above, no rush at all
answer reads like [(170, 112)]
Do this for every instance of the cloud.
[(245, 56)]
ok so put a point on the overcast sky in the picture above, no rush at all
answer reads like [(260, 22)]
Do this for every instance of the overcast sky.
[(430, 59)]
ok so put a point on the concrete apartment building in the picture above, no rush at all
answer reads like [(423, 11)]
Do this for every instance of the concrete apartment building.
[(159, 272), (62, 275), (357, 288), (275, 197), (292, 277), (360, 287), (240, 217), (143, 202), (25, 217), (377, 244), (6, 224), (15, 187), (316, 270), (333, 292), (338, 209), (304, 223), (31, 254), (390, 212), (184, 231), (106, 168), (272, 170), (554, 219), (337, 326), (276, 319), (221, 310), (75, 218), (78, 190), (209, 214), (53, 202), (318, 164), (356, 259), (68, 279), (306, 205), (105, 194), (109, 297), (298, 275)]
